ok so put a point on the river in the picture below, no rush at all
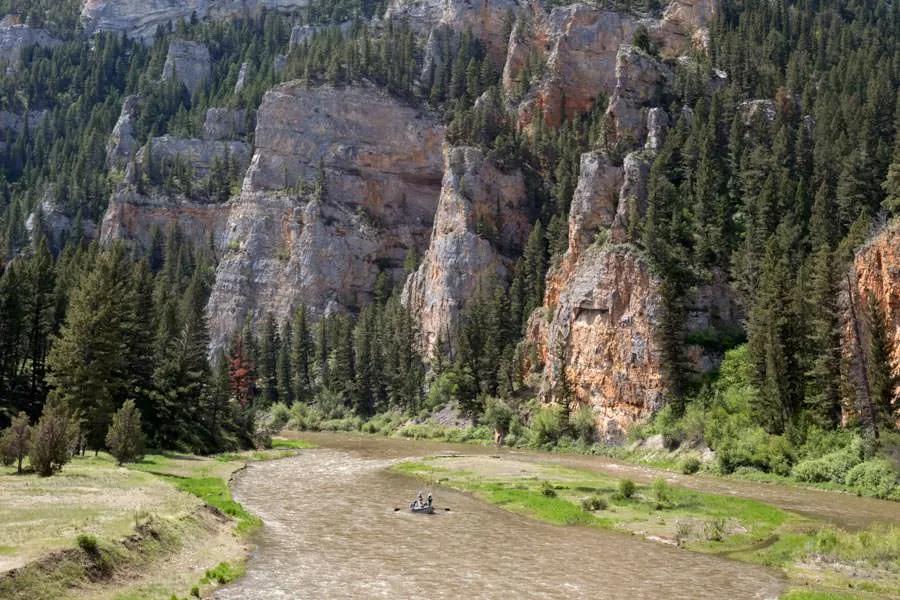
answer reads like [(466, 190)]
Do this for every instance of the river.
[(331, 531)]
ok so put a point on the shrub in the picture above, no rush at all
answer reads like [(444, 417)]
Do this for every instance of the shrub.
[(195, 591), (279, 415), (661, 492), (583, 424), (546, 425), (54, 439), (15, 444), (627, 489), (714, 530), (498, 415), (690, 465), (592, 503), (88, 543), (833, 467), (755, 448), (683, 531), (873, 478), (125, 438), (547, 490)]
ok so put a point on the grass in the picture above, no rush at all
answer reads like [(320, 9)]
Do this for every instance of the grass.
[(131, 533), (214, 492), (827, 559)]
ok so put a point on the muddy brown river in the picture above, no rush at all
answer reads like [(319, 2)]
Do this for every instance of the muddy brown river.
[(331, 532)]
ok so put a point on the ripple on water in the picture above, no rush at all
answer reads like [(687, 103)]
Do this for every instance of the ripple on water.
[(331, 532)]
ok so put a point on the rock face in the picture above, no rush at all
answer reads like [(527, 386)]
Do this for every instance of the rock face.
[(876, 271), (578, 46), (480, 223), (189, 63), (487, 20), (224, 124), (55, 225), (685, 26), (640, 83), (602, 307), (288, 244), (132, 217), (121, 146), (199, 154), (14, 36), (140, 18)]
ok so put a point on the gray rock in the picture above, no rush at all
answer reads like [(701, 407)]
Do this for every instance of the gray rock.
[(140, 18), (288, 245), (641, 81), (121, 146), (470, 247), (594, 201), (189, 63), (224, 124), (15, 36), (55, 225), (241, 78), (199, 154), (657, 126)]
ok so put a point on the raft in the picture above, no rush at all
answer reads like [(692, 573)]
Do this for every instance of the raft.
[(427, 510)]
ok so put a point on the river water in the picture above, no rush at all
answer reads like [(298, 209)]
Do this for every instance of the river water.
[(331, 531)]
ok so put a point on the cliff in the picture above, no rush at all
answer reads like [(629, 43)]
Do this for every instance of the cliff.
[(480, 225), (876, 271), (140, 18), (14, 36), (343, 182)]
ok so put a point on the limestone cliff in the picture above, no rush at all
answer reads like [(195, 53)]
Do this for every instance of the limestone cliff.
[(189, 63), (576, 48), (481, 223), (15, 36), (140, 18), (344, 181), (876, 271)]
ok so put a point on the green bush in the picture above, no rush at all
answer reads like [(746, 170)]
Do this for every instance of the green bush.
[(626, 488), (497, 414), (547, 490), (592, 503), (88, 543), (661, 492), (583, 424), (546, 425), (756, 449), (833, 467), (690, 465), (279, 416), (125, 438), (714, 530), (873, 478)]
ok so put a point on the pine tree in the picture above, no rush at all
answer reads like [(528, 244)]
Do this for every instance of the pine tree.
[(125, 439), (301, 355), (15, 443)]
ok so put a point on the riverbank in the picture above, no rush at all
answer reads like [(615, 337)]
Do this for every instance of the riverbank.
[(820, 561), (164, 527)]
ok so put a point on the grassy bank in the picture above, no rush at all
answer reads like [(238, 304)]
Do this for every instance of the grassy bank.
[(820, 561), (164, 527)]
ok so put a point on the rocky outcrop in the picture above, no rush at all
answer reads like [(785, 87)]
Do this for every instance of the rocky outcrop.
[(577, 46), (122, 145), (344, 181), (224, 124), (199, 155), (487, 20), (189, 63), (55, 225), (641, 81), (15, 36), (602, 307), (140, 18), (133, 217), (685, 26), (876, 272), (481, 223)]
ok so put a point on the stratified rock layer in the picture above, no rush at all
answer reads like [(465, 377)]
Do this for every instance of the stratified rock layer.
[(378, 165), (140, 18), (480, 223)]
